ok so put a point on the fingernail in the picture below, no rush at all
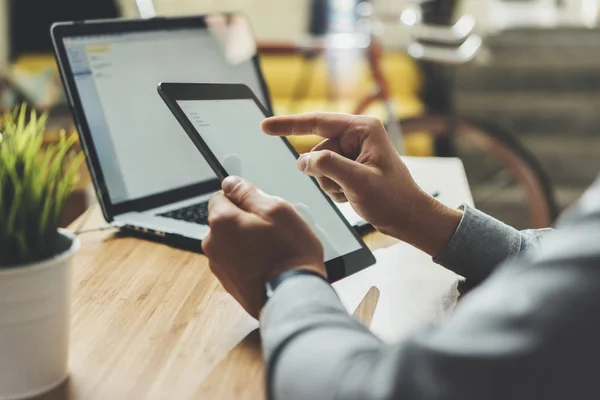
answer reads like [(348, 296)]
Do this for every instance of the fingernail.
[(229, 183), (265, 123), (302, 162)]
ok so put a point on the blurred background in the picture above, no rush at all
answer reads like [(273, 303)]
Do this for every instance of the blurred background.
[(512, 87)]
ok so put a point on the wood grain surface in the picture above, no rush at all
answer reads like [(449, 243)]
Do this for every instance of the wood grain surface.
[(151, 322)]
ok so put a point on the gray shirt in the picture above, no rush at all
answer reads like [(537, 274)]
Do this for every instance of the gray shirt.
[(531, 330)]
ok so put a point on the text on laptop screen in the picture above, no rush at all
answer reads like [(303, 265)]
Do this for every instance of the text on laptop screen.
[(141, 147)]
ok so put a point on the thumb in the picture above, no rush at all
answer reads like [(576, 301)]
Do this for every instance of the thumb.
[(325, 163), (246, 196)]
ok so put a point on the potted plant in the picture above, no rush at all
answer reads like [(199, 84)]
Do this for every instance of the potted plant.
[(35, 181)]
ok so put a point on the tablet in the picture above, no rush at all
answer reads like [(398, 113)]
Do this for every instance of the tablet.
[(223, 121)]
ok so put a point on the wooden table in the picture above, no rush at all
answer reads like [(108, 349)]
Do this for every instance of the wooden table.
[(151, 322)]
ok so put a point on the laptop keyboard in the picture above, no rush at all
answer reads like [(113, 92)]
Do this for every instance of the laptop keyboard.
[(196, 213)]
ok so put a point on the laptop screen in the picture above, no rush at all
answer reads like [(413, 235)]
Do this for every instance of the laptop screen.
[(142, 149)]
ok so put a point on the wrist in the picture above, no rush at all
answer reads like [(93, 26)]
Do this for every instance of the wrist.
[(430, 224), (273, 284), (314, 267)]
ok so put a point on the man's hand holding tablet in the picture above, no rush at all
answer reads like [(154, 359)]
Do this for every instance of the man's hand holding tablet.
[(224, 122), (355, 163), (257, 237), (254, 238)]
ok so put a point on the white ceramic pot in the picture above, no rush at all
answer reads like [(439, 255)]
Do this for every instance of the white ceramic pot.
[(35, 303)]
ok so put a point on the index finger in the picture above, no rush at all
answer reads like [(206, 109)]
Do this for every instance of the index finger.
[(327, 125)]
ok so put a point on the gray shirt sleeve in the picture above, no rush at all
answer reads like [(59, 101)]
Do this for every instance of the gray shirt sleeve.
[(481, 243), (529, 331)]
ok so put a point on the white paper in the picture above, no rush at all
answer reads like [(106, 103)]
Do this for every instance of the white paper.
[(413, 290)]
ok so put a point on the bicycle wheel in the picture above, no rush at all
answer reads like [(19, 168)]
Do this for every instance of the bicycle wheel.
[(507, 181)]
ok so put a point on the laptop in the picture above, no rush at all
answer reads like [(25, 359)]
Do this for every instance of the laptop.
[(149, 178)]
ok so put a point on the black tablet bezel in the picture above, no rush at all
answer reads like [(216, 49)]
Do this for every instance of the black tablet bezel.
[(60, 31), (337, 268)]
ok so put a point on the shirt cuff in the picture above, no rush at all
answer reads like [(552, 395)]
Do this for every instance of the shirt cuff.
[(294, 298), (479, 244)]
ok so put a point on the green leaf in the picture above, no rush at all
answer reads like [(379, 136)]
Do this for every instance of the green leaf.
[(35, 182)]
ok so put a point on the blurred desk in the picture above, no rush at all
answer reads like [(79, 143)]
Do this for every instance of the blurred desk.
[(151, 322)]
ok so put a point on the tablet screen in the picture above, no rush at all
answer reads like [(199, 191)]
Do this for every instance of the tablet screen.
[(231, 129)]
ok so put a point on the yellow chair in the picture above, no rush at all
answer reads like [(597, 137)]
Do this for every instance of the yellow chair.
[(282, 73)]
